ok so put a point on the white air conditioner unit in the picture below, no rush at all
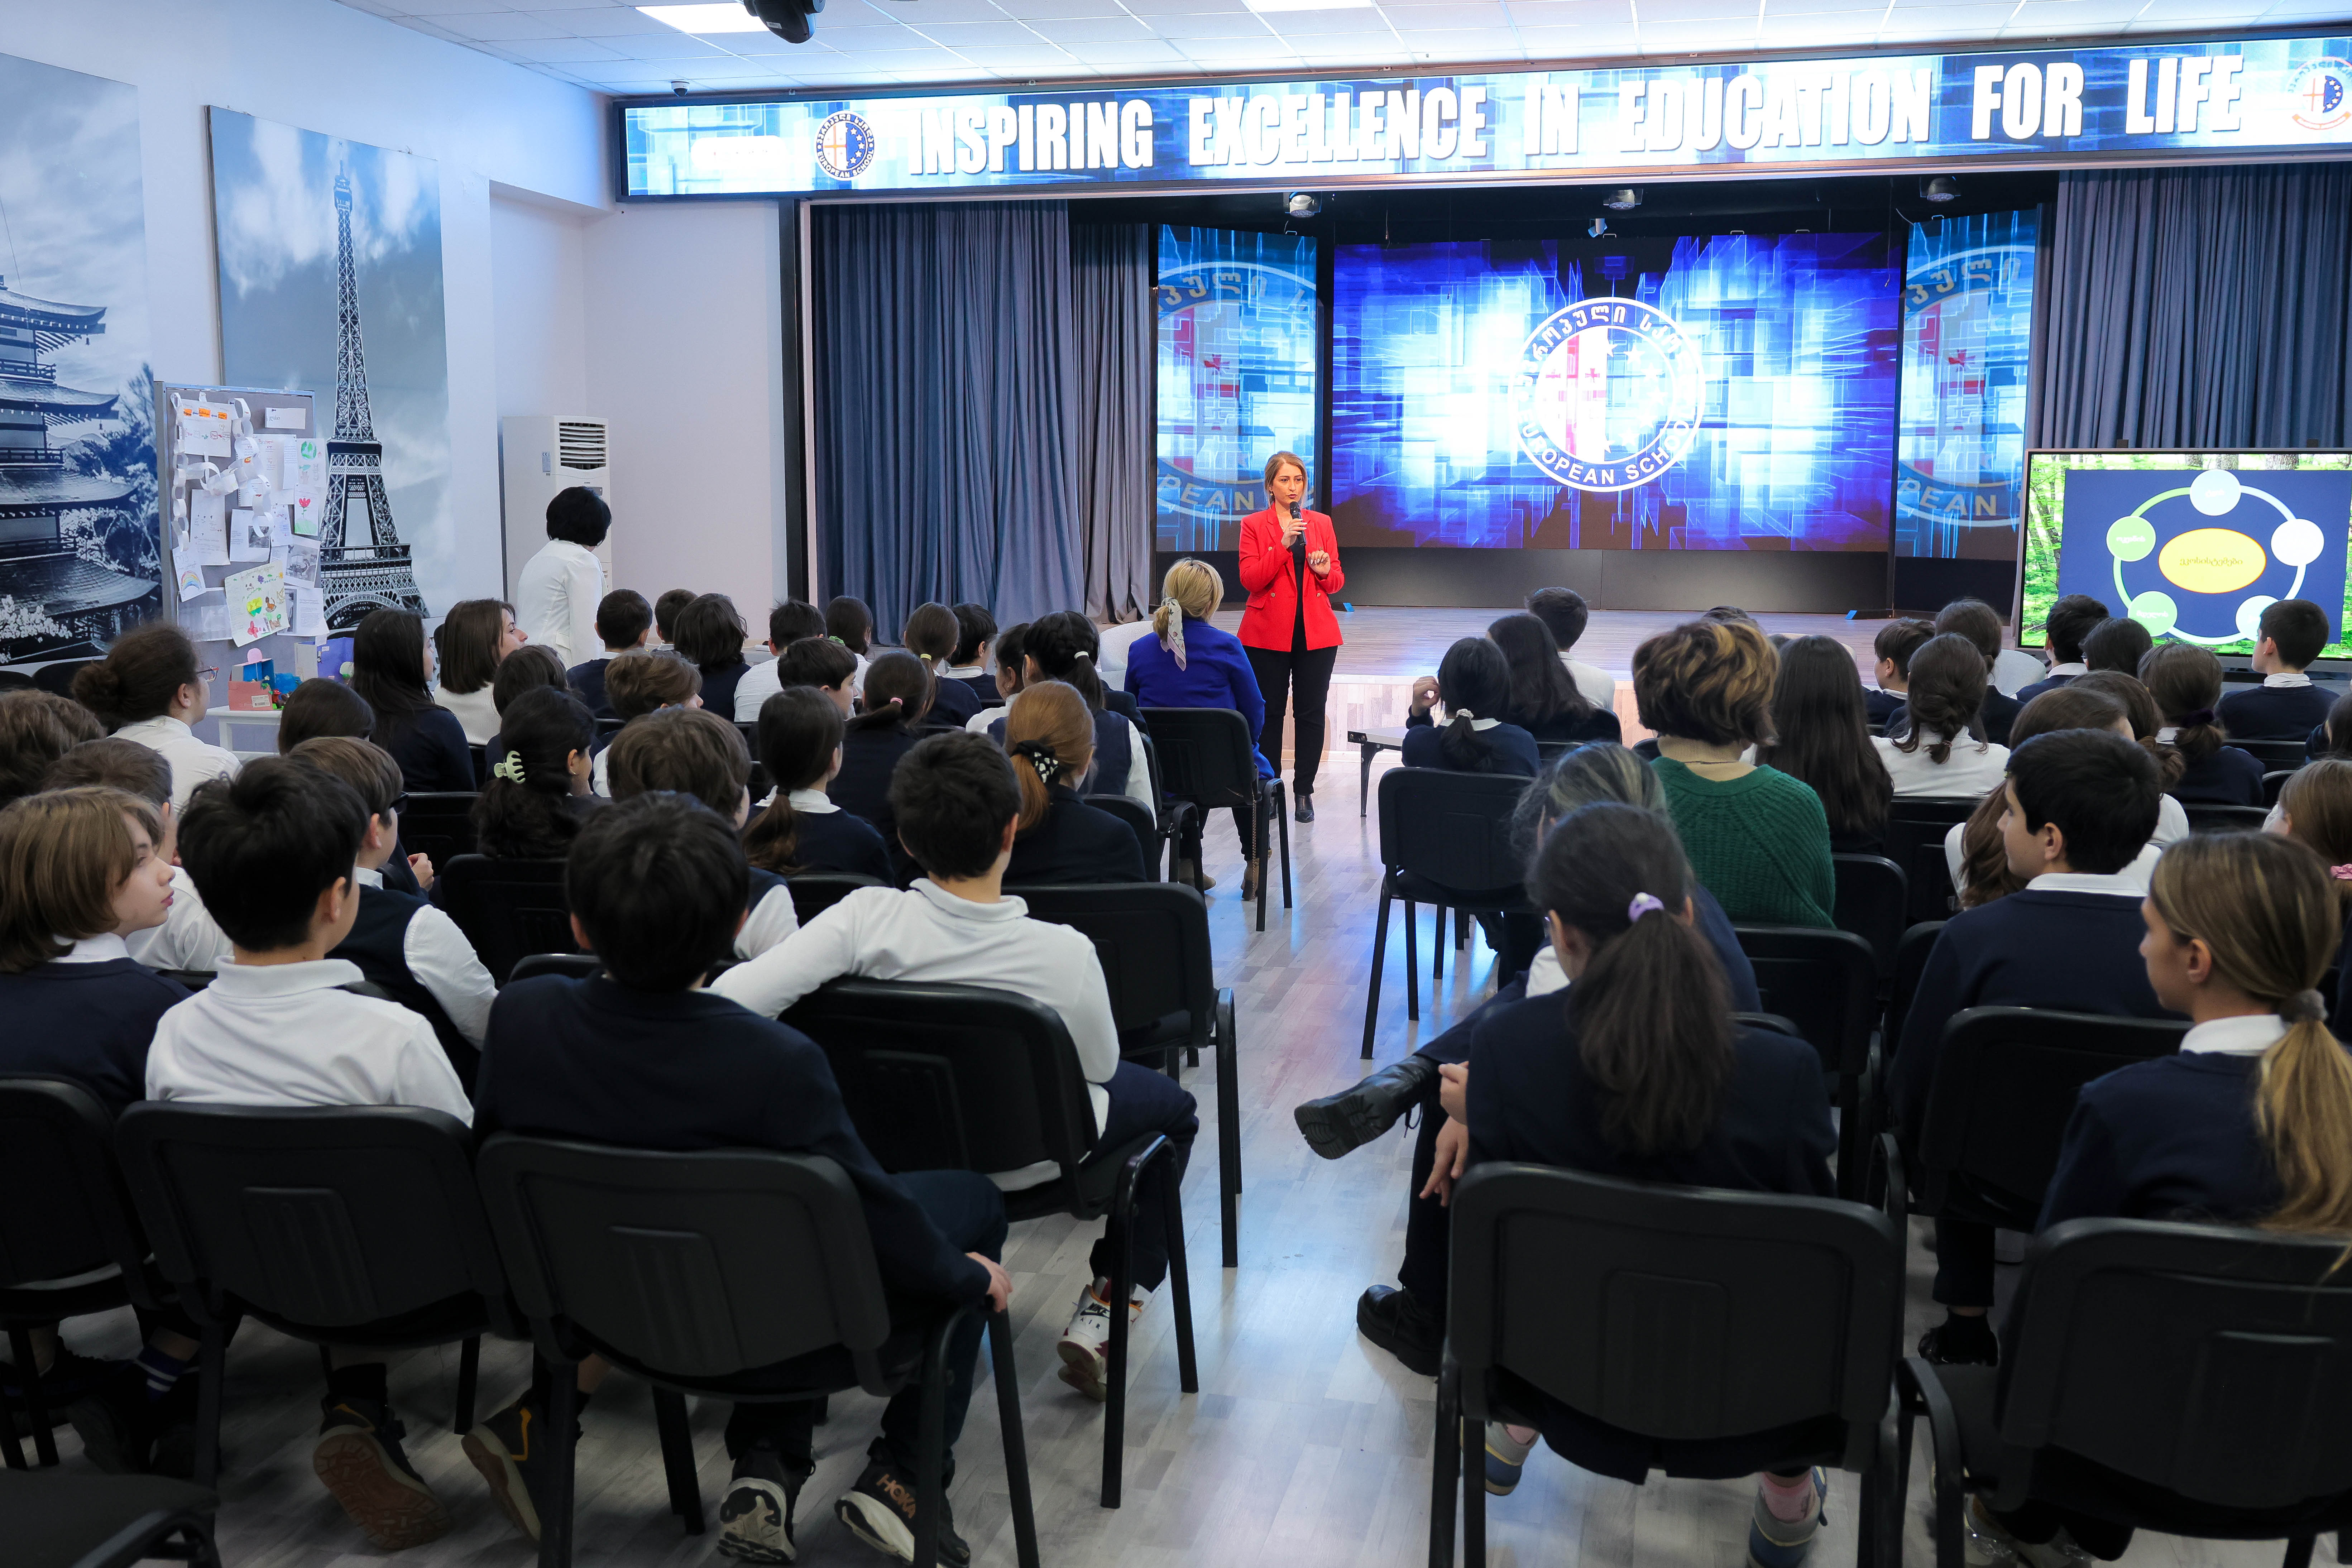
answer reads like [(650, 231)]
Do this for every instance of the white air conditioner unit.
[(543, 455)]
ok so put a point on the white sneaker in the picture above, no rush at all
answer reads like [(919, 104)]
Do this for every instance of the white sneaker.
[(1084, 1345), (1987, 1545)]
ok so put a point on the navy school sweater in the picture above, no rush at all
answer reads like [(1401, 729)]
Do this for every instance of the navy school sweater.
[(91, 1023), (2227, 777), (2275, 712), (2168, 1139)]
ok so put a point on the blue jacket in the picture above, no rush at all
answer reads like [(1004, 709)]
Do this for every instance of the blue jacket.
[(2275, 712), (2169, 1139), (1216, 674)]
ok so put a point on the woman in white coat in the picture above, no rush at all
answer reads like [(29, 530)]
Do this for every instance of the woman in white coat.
[(556, 596)]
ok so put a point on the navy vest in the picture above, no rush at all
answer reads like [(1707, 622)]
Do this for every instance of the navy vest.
[(763, 884), (378, 945)]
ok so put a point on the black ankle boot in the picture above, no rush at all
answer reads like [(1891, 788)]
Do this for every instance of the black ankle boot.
[(1354, 1117), (1305, 805)]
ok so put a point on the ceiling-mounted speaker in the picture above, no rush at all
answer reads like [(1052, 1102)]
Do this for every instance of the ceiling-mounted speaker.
[(788, 19)]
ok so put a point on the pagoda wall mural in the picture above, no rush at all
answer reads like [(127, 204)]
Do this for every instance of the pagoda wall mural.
[(78, 534), (331, 283)]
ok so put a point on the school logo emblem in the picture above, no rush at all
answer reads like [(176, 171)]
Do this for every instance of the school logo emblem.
[(2321, 95), (1610, 395), (846, 144)]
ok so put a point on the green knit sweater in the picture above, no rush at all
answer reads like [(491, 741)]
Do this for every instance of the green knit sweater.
[(1759, 843)]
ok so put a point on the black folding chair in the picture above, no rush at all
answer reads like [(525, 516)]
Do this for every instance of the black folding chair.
[(1872, 896), (68, 1241), (1916, 827), (1211, 760), (2284, 756), (1826, 982), (481, 755), (814, 892), (507, 908), (349, 1226), (439, 824), (1445, 840), (56, 1521), (1910, 963), (571, 965), (2225, 818), (608, 728), (962, 1078), (1140, 820), (2274, 782), (1153, 941), (1673, 1314), (690, 1269), (2185, 1378), (1175, 817)]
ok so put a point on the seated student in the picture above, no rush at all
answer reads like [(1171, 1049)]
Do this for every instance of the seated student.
[(637, 684), (1474, 681), (1976, 621), (849, 622), (975, 633), (1112, 648), (2186, 682), (1187, 662), (2081, 804), (1943, 751), (321, 707), (1012, 664), (188, 937), (1408, 1321), (692, 751), (2117, 643), (2286, 704), (957, 808), (1565, 614), (898, 696), (526, 669), (931, 634), (1758, 839), (2332, 736), (148, 688), (1640, 1073), (790, 622), (624, 622), (392, 659), (1976, 853), (665, 614), (799, 830), (401, 942), (1050, 734), (2146, 723), (2315, 809), (822, 664), (1061, 646), (1896, 642), (711, 638), (642, 1056), (37, 728), (475, 638), (537, 795), (2071, 619), (1545, 699), (1821, 737), (272, 851)]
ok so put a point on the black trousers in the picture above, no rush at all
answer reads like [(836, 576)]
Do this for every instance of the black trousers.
[(1278, 673)]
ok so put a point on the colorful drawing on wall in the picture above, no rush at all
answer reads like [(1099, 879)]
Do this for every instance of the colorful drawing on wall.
[(1968, 332), (330, 282), (79, 535)]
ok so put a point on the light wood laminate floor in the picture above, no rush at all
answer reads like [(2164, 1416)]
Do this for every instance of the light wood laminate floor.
[(1305, 1448)]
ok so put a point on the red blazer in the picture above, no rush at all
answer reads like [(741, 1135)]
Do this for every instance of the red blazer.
[(1271, 578)]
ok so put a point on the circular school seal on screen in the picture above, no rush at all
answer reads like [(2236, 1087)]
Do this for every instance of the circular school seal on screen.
[(2320, 95), (1609, 393), (844, 145)]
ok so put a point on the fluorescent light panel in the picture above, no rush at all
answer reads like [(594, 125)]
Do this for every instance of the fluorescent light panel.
[(729, 17), (1263, 6)]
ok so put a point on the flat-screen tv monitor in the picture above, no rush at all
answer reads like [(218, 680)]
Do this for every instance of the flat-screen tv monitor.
[(1695, 392), (2193, 545)]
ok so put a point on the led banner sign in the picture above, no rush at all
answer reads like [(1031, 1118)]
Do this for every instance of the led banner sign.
[(2230, 99)]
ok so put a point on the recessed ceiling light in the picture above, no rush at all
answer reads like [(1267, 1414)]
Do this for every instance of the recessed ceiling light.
[(727, 17), (1308, 5)]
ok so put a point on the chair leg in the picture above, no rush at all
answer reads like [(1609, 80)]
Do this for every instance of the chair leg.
[(36, 1409), (930, 1487), (1445, 1466), (11, 1450), (1462, 924), (677, 1457), (1121, 1226), (1016, 1452), (1257, 847), (1411, 963), (1944, 1470), (1229, 1128), (1282, 832), (562, 1416), (1364, 778), (1473, 1494), (1379, 954), (1180, 1279), (470, 1372), (1437, 949), (212, 1371), (2298, 1552)]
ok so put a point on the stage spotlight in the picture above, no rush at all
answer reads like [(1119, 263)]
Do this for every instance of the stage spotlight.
[(1623, 199), (1598, 227), (1940, 188), (1300, 203)]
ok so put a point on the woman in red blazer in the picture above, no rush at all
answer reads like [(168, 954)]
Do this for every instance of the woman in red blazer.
[(1290, 565)]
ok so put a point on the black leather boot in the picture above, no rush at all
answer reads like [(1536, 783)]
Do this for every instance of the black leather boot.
[(1354, 1117)]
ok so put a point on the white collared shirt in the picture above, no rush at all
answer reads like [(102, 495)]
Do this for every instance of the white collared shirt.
[(282, 1033), (979, 723), (760, 682), (2013, 668), (773, 919), (2247, 1035), (966, 672), (1112, 648), (2120, 884), (477, 712), (2287, 678), (813, 800), (556, 596), (1544, 972), (1972, 767), (445, 963), (189, 937), (193, 761), (2077, 668), (103, 948), (2171, 826), (1600, 687)]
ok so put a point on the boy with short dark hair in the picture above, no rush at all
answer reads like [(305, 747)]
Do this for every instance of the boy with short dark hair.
[(690, 751), (2117, 643), (667, 609), (2286, 704), (821, 663), (636, 684), (788, 623), (1896, 642), (2080, 802), (1981, 623), (644, 1056), (2071, 619), (1565, 614), (624, 622), (956, 808), (975, 630)]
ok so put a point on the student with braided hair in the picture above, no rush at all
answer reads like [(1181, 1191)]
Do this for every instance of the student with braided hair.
[(1945, 751), (1050, 734)]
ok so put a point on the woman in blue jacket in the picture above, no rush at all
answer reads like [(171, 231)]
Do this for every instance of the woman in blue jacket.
[(1192, 664)]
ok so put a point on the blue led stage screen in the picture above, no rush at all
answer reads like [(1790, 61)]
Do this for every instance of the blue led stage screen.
[(1968, 330), (1723, 392)]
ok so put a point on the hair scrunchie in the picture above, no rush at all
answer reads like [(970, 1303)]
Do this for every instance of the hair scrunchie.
[(1642, 904), (2341, 873), (1041, 757), (1172, 639), (2192, 720), (2305, 1007), (510, 769)]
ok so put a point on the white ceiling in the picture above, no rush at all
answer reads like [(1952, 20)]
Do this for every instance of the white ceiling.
[(614, 48)]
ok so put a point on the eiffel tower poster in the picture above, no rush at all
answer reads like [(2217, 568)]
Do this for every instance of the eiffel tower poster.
[(330, 276)]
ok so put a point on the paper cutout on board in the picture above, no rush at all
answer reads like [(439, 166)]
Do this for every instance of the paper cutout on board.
[(256, 603), (248, 536), (305, 465), (190, 578), (211, 621), (306, 611), (302, 507), (203, 428), (299, 562), (288, 419), (281, 530), (208, 529)]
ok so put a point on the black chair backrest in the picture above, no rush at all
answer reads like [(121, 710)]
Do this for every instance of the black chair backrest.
[(481, 755), (814, 892), (2274, 782), (1207, 755), (2005, 1083), (571, 965), (67, 1211), (1453, 829), (2225, 818), (952, 1077), (2212, 1362), (1825, 982), (695, 1265), (507, 908), (1676, 1312), (1873, 898), (1153, 941), (313, 1218), (1910, 963), (751, 738), (439, 824), (1139, 818), (607, 727), (1916, 827), (2284, 755)]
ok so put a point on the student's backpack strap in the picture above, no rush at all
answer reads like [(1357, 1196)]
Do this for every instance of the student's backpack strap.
[(370, 988)]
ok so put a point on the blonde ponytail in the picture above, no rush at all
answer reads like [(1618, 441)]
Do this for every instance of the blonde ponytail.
[(1193, 588)]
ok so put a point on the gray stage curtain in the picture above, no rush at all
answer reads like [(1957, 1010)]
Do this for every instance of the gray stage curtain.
[(945, 364), (2197, 307), (1112, 269)]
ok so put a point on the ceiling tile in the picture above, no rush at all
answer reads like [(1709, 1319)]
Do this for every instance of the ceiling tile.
[(1040, 56), (557, 51), (1578, 43), (662, 46), (571, 5), (871, 40), (1434, 18), (498, 27), (1355, 46), (916, 12), (1125, 51), (1094, 30), (379, 7), (1218, 25), (452, 7), (597, 22), (2036, 14), (955, 35), (733, 70), (1654, 12), (1570, 13), (1237, 54), (1302, 24)]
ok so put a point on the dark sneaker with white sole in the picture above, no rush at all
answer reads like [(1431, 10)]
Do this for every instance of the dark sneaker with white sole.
[(755, 1520), (880, 1512), (510, 1450), (358, 1459)]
